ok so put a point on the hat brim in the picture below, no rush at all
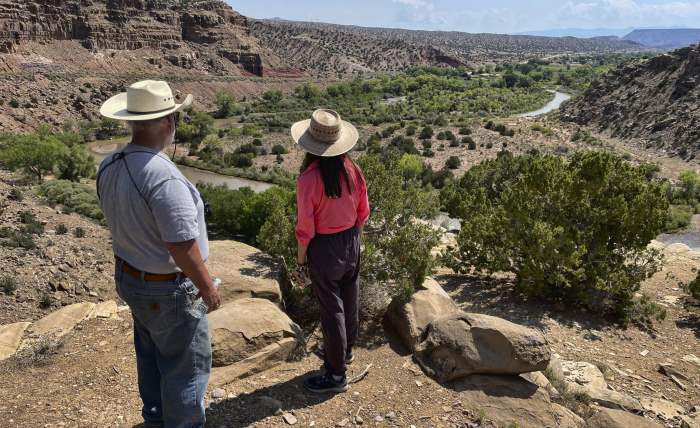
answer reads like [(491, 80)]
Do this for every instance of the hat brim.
[(115, 108), (347, 141)]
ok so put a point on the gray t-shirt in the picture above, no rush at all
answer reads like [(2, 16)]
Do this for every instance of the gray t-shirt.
[(170, 210)]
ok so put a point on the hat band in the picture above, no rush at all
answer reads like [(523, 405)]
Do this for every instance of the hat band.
[(150, 112), (325, 135)]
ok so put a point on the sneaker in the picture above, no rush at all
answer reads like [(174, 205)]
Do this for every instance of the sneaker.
[(320, 352), (326, 383)]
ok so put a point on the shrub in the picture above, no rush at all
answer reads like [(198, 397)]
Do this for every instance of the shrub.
[(426, 133), (74, 197), (37, 155), (61, 229), (257, 142), (694, 287), (453, 162), (574, 231), (465, 131), (489, 145), (79, 232), (8, 285), (239, 160), (225, 105), (279, 149), (454, 143), (45, 301), (16, 195), (77, 163), (411, 130), (679, 217)]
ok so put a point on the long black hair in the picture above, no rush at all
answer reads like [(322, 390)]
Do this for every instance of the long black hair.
[(333, 171)]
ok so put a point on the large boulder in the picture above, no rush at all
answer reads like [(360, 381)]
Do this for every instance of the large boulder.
[(244, 327), (611, 418), (10, 338), (245, 272), (586, 378), (427, 304), (459, 345), (511, 400)]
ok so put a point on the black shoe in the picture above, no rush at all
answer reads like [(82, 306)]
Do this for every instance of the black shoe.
[(320, 352), (325, 384)]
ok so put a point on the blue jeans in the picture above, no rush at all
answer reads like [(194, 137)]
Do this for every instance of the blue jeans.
[(173, 349)]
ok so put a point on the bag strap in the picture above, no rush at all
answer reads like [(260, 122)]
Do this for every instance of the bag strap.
[(117, 157)]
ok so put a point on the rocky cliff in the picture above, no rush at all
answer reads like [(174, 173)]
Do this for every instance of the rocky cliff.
[(656, 100), (133, 24)]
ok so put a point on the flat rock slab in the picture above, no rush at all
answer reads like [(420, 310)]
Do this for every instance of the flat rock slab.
[(666, 409), (464, 344), (610, 418), (586, 378), (245, 272), (243, 327), (410, 319), (511, 400), (268, 357), (10, 338), (62, 321), (104, 310)]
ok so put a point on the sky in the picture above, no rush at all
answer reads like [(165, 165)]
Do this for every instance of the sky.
[(494, 16)]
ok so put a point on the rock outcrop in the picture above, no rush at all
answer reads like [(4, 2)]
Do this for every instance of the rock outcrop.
[(609, 418), (244, 327), (459, 345), (411, 319), (655, 100), (132, 24), (586, 378)]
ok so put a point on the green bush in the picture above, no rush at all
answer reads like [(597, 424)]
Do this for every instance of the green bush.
[(694, 287), (453, 162), (465, 131), (61, 229), (74, 197), (225, 105), (574, 231), (679, 217), (16, 195), (79, 232), (279, 149), (426, 133), (36, 155), (77, 163), (8, 285)]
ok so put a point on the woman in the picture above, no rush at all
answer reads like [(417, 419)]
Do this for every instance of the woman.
[(332, 209)]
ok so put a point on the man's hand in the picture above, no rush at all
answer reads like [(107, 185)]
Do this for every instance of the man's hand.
[(210, 296)]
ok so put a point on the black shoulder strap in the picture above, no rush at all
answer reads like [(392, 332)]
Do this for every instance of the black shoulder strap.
[(122, 156)]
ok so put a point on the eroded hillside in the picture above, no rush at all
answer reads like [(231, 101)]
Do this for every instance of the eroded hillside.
[(656, 100)]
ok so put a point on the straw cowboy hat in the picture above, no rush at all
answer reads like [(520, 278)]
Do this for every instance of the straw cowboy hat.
[(325, 134), (145, 100)]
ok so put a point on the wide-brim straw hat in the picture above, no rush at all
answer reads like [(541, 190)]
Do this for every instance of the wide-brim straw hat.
[(325, 134), (145, 100)]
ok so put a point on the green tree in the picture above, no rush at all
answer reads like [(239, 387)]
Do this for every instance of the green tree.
[(453, 162), (35, 155), (426, 133), (225, 105), (575, 231), (193, 132), (75, 164)]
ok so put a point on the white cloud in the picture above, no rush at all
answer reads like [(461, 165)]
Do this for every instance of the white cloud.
[(419, 13), (632, 13)]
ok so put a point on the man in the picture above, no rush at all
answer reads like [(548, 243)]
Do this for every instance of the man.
[(160, 243)]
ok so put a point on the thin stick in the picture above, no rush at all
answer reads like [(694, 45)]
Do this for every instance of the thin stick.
[(361, 375)]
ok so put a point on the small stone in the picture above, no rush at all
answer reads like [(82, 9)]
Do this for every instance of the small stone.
[(644, 353), (343, 423), (218, 394), (289, 418), (391, 416), (379, 418), (419, 383), (359, 420)]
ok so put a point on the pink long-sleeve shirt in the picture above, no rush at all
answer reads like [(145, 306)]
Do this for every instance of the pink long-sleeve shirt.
[(319, 214)]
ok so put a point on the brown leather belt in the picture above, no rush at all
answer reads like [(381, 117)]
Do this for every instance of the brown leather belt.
[(150, 277)]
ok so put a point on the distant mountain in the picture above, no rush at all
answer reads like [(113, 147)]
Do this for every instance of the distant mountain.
[(331, 49), (665, 38), (656, 100), (579, 32)]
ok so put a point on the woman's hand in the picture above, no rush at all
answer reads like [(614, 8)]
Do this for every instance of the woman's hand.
[(301, 276)]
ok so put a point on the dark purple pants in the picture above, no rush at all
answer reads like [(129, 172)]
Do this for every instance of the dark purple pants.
[(334, 267)]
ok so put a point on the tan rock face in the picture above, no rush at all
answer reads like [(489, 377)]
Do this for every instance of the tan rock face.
[(243, 327), (10, 338), (411, 319), (244, 271), (130, 25), (62, 321), (511, 399), (460, 345), (586, 378), (609, 418)]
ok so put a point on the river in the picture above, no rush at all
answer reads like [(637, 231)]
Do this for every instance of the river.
[(197, 176), (559, 99)]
